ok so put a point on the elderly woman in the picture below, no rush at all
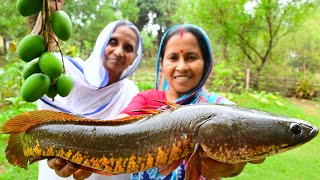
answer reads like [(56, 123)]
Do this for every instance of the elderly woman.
[(101, 88)]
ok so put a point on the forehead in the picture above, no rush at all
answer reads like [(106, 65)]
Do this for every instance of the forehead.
[(182, 41), (125, 32)]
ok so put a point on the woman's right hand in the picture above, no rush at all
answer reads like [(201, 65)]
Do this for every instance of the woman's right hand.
[(65, 169), (37, 27)]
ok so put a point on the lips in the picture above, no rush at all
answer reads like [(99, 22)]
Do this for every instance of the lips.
[(117, 60), (182, 77)]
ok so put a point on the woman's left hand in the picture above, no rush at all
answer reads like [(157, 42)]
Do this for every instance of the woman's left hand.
[(212, 169)]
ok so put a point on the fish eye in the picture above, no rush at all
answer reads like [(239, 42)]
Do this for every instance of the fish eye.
[(295, 128)]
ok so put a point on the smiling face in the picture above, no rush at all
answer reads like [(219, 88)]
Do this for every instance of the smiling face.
[(120, 52), (182, 64)]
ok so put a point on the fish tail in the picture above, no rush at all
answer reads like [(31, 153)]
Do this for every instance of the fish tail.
[(14, 152)]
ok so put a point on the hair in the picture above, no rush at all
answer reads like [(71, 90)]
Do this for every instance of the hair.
[(130, 25), (204, 46)]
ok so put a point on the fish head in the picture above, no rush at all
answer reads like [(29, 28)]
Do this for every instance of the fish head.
[(240, 135)]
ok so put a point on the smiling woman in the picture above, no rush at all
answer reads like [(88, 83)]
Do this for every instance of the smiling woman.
[(184, 64)]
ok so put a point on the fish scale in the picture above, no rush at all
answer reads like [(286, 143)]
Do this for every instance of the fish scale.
[(228, 134)]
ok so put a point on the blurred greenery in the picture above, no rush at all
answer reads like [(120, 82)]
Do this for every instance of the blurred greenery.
[(277, 40)]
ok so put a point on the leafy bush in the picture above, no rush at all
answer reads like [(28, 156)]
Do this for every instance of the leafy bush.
[(11, 79), (304, 88), (145, 83), (227, 78)]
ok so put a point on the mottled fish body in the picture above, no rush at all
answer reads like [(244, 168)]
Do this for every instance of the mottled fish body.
[(228, 134)]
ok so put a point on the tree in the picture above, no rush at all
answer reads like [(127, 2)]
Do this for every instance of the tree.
[(156, 12), (255, 27), (302, 48)]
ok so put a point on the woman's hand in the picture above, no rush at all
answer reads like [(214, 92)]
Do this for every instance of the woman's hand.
[(52, 4), (65, 169), (212, 169), (37, 27)]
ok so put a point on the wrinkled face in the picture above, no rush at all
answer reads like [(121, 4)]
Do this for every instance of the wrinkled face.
[(182, 63), (120, 52)]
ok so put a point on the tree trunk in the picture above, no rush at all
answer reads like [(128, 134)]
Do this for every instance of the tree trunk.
[(4, 39)]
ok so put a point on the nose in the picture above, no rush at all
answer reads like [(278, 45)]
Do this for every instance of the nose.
[(182, 65), (118, 51)]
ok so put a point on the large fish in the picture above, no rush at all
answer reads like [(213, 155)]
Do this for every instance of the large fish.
[(227, 134)]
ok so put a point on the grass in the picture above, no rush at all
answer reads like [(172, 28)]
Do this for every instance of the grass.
[(300, 163), (7, 171)]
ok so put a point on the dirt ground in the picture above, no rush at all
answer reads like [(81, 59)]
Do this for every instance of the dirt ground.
[(310, 107)]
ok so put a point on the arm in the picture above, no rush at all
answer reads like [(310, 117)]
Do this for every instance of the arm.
[(37, 26)]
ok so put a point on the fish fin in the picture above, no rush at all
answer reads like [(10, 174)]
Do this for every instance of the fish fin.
[(148, 111), (14, 152), (168, 168), (171, 105), (151, 107), (125, 120), (193, 169), (23, 122)]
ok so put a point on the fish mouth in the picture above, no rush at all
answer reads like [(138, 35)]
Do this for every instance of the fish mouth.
[(314, 132)]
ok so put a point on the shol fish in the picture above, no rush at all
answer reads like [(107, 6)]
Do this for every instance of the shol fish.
[(163, 139)]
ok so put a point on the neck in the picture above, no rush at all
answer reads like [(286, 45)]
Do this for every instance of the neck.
[(172, 96), (113, 79)]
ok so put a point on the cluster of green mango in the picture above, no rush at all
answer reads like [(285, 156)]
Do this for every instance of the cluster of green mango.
[(44, 73)]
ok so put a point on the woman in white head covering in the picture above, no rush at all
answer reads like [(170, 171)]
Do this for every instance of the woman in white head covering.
[(101, 88)]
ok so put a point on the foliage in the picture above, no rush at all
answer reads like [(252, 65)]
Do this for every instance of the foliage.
[(148, 47), (6, 24), (157, 12), (227, 77), (144, 83), (10, 18), (11, 79), (16, 106), (258, 99), (305, 88), (129, 10), (301, 49), (249, 30)]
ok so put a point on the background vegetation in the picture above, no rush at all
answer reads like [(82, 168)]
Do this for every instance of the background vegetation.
[(277, 40)]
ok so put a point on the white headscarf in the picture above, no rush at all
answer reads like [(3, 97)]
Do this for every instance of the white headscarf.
[(90, 96)]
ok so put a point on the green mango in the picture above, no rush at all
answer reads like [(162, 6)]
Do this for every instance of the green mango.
[(35, 86), (61, 24), (64, 85), (50, 65), (31, 68), (28, 7), (52, 91), (31, 47)]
